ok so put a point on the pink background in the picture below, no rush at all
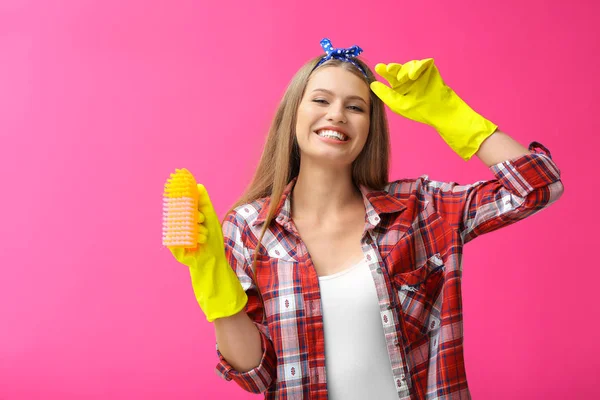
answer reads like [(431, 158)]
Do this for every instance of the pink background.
[(101, 100)]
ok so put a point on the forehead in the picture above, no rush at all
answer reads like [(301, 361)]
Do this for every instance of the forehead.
[(338, 80)]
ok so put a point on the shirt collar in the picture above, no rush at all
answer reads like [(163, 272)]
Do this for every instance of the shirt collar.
[(376, 202)]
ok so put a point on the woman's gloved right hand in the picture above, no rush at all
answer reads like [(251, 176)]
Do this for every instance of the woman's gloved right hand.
[(216, 286)]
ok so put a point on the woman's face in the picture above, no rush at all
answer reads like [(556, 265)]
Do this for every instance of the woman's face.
[(335, 102)]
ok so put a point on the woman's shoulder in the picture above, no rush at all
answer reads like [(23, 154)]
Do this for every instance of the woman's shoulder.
[(245, 214), (406, 186)]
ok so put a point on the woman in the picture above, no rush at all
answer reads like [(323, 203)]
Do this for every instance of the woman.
[(331, 282)]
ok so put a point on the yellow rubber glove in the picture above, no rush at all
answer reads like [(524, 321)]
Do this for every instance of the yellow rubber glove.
[(216, 286), (418, 92)]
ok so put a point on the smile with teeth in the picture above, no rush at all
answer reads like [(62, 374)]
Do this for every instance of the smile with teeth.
[(332, 135)]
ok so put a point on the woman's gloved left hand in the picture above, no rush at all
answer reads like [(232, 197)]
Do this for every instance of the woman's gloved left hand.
[(418, 92)]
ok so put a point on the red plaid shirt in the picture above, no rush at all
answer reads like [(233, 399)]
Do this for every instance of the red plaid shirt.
[(413, 240)]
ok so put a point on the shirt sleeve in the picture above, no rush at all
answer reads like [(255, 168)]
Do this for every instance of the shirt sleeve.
[(260, 378), (523, 186)]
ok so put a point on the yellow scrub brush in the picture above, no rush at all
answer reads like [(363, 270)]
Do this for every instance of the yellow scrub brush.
[(180, 211)]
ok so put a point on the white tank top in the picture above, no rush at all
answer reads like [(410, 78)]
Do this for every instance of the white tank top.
[(356, 358)]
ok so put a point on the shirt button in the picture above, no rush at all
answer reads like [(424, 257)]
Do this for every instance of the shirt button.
[(376, 219), (379, 271), (369, 257)]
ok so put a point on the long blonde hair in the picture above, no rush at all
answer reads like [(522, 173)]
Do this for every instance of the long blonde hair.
[(280, 160)]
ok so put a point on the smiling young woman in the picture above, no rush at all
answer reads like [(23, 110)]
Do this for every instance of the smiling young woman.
[(352, 280)]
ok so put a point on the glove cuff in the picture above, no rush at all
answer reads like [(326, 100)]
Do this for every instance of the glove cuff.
[(463, 129), (218, 290)]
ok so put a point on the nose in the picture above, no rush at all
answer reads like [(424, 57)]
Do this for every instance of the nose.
[(336, 113)]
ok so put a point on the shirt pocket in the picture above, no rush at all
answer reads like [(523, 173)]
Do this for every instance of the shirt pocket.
[(418, 292)]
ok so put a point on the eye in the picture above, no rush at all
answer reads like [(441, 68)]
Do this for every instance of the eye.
[(356, 108), (321, 101)]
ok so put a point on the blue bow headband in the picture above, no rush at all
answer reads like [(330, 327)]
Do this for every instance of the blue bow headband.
[(341, 54)]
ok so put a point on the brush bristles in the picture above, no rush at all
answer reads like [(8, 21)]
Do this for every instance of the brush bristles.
[(180, 210)]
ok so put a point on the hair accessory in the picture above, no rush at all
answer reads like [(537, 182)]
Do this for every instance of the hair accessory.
[(342, 54)]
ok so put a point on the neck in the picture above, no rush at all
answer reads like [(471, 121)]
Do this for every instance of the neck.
[(324, 194)]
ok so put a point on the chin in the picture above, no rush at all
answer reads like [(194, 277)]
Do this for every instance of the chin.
[(329, 159)]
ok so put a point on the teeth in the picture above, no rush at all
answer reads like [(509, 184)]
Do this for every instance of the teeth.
[(331, 134)]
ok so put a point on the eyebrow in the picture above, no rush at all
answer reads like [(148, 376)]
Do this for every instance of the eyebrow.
[(349, 97)]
